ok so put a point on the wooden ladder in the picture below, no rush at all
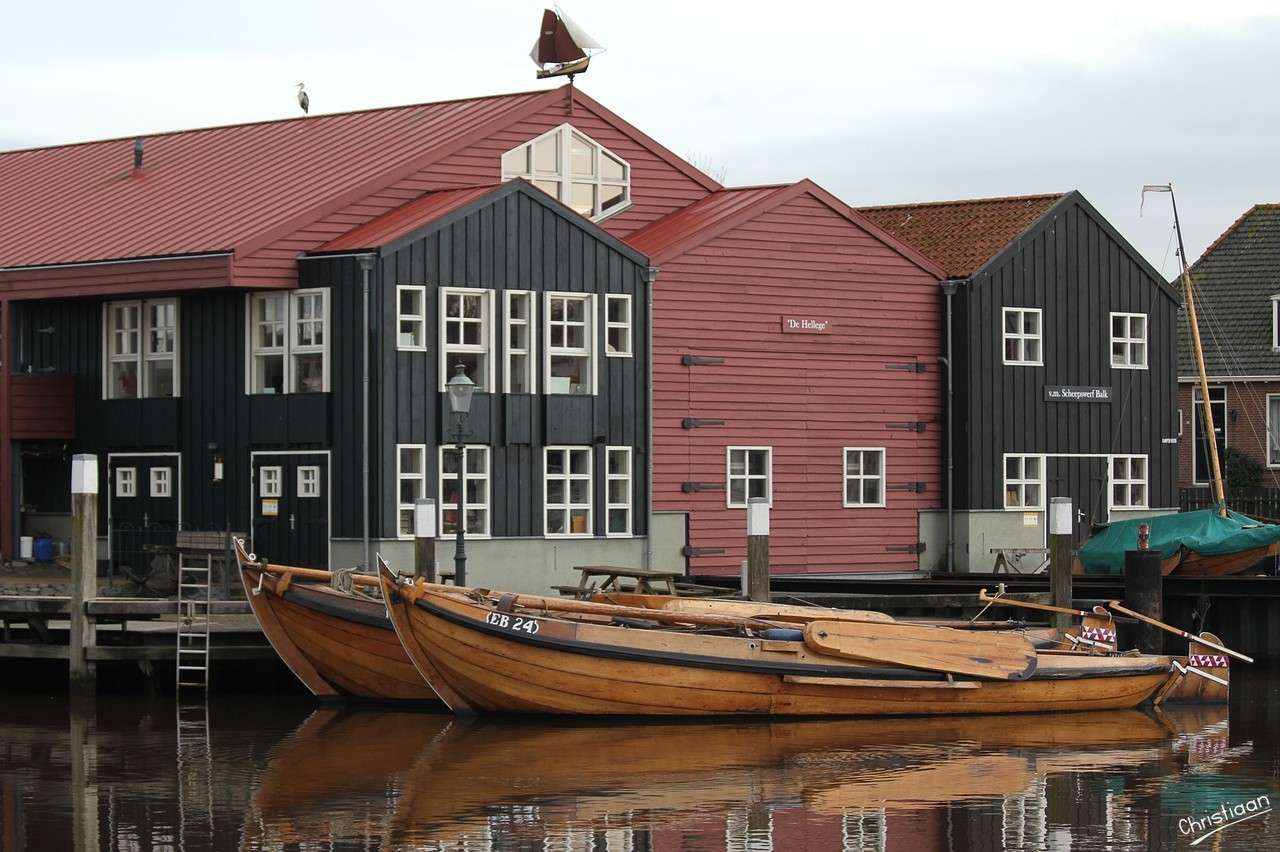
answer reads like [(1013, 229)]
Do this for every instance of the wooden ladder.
[(194, 598)]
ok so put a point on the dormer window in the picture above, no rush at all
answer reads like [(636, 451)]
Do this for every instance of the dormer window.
[(574, 169)]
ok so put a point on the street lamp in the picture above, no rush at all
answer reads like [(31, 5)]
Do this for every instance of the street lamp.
[(460, 390)]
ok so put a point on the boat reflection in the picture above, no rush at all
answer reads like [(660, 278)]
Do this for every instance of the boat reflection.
[(983, 782)]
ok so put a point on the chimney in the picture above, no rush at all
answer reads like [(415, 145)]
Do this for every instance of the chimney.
[(137, 153)]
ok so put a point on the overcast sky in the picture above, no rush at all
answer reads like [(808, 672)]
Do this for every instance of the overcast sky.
[(878, 102)]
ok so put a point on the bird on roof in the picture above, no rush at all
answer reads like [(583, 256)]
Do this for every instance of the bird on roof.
[(304, 100)]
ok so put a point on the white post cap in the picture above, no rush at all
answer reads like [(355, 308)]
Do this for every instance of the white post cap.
[(424, 518), (757, 516), (1060, 516), (84, 474)]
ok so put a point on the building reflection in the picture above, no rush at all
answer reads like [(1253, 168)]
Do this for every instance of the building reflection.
[(135, 775)]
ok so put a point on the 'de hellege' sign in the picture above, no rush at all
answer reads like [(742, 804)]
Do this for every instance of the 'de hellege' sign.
[(806, 325)]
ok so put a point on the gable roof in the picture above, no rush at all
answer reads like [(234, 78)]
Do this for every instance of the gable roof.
[(405, 219), (1234, 281), (961, 236), (691, 226), (392, 230), (238, 188)]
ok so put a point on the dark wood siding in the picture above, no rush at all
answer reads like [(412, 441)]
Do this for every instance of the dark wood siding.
[(1075, 267), (513, 241)]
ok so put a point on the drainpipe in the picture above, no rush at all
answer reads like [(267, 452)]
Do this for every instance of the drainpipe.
[(366, 266), (651, 275), (949, 289)]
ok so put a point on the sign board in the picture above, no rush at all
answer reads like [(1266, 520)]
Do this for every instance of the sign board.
[(1031, 519), (1073, 393), (270, 507), (806, 325)]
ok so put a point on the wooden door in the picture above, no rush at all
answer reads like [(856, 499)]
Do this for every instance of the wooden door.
[(145, 498), (291, 508), (1084, 480)]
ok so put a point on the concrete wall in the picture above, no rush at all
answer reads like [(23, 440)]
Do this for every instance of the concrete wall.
[(979, 531), (533, 565)]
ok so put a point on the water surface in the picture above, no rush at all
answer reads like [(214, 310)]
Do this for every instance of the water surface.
[(266, 772)]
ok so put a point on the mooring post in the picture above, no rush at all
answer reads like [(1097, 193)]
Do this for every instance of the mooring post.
[(84, 567), (1060, 519), (758, 549), (424, 539), (1144, 591)]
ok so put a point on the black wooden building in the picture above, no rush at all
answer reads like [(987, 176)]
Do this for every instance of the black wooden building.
[(257, 419), (1065, 376)]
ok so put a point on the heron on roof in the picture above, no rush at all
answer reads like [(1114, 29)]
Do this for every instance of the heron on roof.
[(304, 100)]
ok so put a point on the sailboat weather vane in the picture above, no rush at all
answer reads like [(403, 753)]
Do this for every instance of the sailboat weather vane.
[(563, 48)]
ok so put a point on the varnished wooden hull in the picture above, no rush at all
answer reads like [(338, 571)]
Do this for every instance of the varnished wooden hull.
[(340, 646), (1199, 565), (577, 668)]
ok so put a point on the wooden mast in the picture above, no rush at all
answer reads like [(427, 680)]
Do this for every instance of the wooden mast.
[(1219, 496)]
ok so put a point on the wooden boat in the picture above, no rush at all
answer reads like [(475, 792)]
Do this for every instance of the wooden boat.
[(490, 652), (340, 645)]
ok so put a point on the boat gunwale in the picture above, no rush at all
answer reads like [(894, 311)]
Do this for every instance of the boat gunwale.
[(763, 667)]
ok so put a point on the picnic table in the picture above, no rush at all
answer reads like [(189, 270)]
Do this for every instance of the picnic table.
[(613, 578)]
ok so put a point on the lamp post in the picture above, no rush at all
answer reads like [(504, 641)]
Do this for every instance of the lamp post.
[(460, 390)]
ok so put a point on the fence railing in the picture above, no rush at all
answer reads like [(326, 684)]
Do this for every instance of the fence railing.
[(1260, 503), (146, 555)]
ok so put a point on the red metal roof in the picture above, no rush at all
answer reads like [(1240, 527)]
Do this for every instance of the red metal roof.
[(407, 219), (961, 236), (223, 188), (691, 226)]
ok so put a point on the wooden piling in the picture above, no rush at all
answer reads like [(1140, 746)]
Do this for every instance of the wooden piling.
[(758, 549), (1144, 593), (424, 539), (84, 569), (1060, 558)]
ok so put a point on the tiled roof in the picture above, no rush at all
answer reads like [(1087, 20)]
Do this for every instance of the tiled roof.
[(219, 188), (406, 219), (1234, 281), (961, 236)]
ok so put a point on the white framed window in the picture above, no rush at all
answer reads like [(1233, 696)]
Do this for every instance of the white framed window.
[(288, 342), (748, 473), (1128, 341), (566, 492), (466, 335), (1273, 430), (308, 480), (617, 325), (1023, 481), (573, 168), (864, 477), (141, 341), (126, 482), (519, 323), (617, 495), (571, 343), (411, 318), (464, 488), (1023, 337), (1129, 482), (411, 483), (270, 481), (161, 482)]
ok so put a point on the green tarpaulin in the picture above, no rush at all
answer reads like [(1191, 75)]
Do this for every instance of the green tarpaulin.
[(1203, 532)]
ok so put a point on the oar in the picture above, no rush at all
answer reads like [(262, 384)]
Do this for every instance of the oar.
[(1185, 670), (941, 649), (987, 599), (1178, 632)]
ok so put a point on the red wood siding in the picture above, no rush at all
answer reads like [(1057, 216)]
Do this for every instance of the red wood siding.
[(806, 396), (42, 407), (657, 188), (1247, 433), (150, 276), (7, 490)]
